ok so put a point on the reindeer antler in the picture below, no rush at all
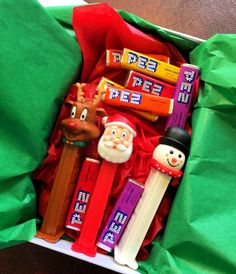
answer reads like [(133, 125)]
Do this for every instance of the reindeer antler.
[(80, 93), (98, 96)]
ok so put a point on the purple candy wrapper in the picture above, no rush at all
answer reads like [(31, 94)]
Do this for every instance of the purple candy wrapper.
[(120, 215), (183, 95)]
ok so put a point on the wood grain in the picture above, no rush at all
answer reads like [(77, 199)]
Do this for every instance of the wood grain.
[(199, 18)]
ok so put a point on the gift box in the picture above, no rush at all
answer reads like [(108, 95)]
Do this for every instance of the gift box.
[(201, 221)]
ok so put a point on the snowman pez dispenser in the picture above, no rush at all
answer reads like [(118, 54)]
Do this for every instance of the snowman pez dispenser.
[(168, 159)]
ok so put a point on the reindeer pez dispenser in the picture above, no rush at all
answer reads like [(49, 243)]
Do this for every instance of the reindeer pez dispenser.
[(77, 130), (81, 127)]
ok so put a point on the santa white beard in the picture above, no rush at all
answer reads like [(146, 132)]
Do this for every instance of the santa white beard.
[(114, 153)]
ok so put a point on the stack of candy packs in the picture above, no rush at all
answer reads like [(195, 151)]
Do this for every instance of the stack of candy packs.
[(142, 85)]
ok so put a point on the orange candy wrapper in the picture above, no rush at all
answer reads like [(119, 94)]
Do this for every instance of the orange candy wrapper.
[(136, 100), (106, 82)]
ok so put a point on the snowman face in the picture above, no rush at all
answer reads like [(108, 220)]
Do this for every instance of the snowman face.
[(169, 156)]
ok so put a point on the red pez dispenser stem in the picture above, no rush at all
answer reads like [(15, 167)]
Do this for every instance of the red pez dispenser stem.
[(86, 243)]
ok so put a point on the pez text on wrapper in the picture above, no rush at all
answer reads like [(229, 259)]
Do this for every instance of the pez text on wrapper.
[(115, 146), (120, 215), (113, 57), (82, 193), (133, 60), (143, 83), (168, 159), (183, 95), (138, 100), (78, 129), (104, 83)]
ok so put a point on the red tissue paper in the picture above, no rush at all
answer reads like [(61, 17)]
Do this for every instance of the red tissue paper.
[(99, 27)]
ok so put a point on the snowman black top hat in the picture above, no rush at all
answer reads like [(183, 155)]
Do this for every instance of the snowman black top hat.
[(177, 138)]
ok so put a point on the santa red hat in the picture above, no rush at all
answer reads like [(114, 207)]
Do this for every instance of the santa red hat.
[(119, 120)]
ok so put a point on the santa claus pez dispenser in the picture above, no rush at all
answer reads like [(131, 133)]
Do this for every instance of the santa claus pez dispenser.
[(115, 146), (168, 159)]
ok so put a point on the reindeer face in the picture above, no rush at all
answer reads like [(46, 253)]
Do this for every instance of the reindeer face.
[(81, 125)]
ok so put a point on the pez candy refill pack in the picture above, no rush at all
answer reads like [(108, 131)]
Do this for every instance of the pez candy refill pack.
[(143, 83), (136, 100), (120, 215), (133, 60), (113, 58)]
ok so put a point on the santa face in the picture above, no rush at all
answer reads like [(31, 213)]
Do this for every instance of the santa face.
[(169, 156), (116, 144)]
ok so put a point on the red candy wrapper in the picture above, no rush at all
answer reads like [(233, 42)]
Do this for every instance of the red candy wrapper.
[(83, 191), (143, 83)]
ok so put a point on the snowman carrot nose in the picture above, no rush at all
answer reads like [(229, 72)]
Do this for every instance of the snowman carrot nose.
[(174, 160)]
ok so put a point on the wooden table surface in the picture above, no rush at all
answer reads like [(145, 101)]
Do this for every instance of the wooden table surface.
[(199, 18)]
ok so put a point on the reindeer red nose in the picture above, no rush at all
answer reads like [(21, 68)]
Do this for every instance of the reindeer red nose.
[(71, 125)]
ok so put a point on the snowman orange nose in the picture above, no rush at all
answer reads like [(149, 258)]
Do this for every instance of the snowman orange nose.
[(174, 160)]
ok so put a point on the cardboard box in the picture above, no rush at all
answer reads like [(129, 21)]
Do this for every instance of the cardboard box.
[(64, 246)]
